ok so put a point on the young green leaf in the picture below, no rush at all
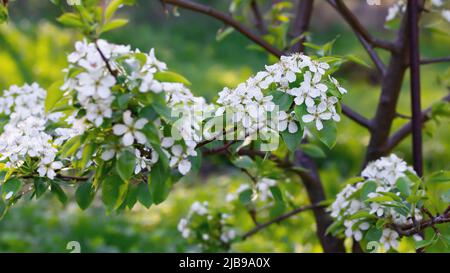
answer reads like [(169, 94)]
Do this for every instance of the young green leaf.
[(84, 195), (125, 165)]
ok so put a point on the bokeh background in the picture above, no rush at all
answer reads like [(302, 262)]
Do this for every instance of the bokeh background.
[(33, 47)]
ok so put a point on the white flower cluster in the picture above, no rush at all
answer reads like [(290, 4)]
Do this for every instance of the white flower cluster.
[(383, 174), (297, 75), (94, 86), (24, 135), (399, 7), (189, 227)]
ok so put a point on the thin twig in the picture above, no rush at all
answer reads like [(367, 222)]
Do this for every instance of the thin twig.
[(403, 132), (358, 28), (259, 20), (280, 219), (435, 60)]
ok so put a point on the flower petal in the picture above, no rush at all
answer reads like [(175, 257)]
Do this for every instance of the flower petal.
[(119, 129)]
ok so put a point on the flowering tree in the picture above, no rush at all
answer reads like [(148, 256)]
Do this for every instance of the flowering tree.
[(121, 123)]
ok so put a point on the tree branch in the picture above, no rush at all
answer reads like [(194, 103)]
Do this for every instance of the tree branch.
[(414, 57), (280, 219), (435, 60), (227, 20), (411, 229), (259, 20), (390, 92), (403, 132), (358, 28), (356, 117), (301, 23)]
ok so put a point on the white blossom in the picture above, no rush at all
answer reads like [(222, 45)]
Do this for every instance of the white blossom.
[(130, 129)]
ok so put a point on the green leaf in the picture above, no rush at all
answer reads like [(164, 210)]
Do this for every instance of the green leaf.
[(373, 234), (114, 190), (361, 214), (71, 146), (13, 186), (54, 94), (357, 60), (84, 195), (40, 186), (114, 5), (312, 150), (426, 243), (169, 76), (70, 19), (144, 196), (160, 182), (125, 165), (403, 186), (368, 188), (151, 133), (245, 196), (282, 99), (131, 197), (293, 140), (56, 189), (87, 153), (244, 162), (439, 177), (116, 23), (327, 135), (3, 15), (276, 193), (223, 33), (380, 199)]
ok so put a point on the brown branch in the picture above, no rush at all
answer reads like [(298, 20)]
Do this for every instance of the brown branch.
[(301, 23), (390, 92), (435, 60), (380, 66), (416, 103), (403, 132), (106, 61), (367, 41), (227, 19), (358, 28), (356, 117), (411, 229), (280, 219)]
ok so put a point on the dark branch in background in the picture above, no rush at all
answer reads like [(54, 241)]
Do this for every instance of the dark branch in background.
[(259, 20), (227, 19), (301, 23), (403, 132), (413, 18), (391, 84), (366, 123), (358, 28), (316, 193), (435, 60), (368, 42), (280, 219), (381, 68)]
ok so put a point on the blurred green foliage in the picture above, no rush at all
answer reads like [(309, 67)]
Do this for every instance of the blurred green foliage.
[(35, 49)]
